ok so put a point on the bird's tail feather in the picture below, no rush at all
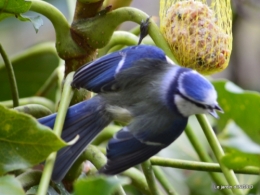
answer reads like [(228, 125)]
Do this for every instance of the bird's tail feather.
[(85, 119)]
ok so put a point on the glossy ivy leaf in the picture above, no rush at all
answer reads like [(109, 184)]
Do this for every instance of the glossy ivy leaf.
[(23, 141), (98, 185), (235, 159), (13, 8), (234, 137), (241, 106), (32, 68), (241, 151), (10, 185)]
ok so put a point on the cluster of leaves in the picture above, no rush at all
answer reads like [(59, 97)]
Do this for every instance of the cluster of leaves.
[(25, 143)]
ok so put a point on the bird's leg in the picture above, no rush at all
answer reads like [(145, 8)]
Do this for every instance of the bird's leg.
[(144, 29)]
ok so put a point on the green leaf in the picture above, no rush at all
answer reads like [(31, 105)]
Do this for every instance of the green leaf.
[(32, 68), (10, 185), (13, 8), (23, 141), (5, 15), (98, 185), (241, 151), (241, 106), (235, 159), (35, 110), (255, 189), (234, 137), (32, 190), (51, 191), (200, 183), (35, 20), (62, 189)]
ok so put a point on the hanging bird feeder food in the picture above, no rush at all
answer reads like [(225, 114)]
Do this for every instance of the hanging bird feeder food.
[(198, 33)]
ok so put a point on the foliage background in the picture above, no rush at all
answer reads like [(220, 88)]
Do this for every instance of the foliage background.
[(244, 65), (243, 70)]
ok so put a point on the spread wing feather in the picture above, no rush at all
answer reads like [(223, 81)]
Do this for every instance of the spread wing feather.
[(99, 75)]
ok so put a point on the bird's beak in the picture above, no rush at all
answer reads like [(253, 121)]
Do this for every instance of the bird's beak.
[(213, 112), (218, 108)]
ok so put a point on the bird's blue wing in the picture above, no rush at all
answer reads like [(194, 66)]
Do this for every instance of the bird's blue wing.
[(123, 154), (99, 75), (128, 149)]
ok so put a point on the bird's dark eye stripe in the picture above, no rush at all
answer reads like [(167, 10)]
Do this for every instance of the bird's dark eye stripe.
[(208, 107), (196, 103)]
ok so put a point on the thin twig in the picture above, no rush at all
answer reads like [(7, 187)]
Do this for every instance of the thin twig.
[(203, 155), (31, 100), (11, 76), (159, 174), (48, 84), (49, 164), (198, 166), (149, 175)]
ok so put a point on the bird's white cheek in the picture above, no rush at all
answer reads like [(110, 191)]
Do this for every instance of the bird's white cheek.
[(187, 108)]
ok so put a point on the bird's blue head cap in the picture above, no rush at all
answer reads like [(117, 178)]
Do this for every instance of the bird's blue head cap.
[(196, 95)]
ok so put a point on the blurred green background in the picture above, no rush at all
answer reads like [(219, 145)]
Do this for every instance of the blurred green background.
[(243, 70)]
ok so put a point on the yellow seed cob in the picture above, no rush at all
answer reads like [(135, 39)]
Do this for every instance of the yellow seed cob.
[(197, 41)]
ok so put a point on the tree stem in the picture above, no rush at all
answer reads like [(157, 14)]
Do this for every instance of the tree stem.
[(119, 38), (218, 151)]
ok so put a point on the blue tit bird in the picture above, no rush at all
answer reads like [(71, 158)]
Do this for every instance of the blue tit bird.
[(138, 85)]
